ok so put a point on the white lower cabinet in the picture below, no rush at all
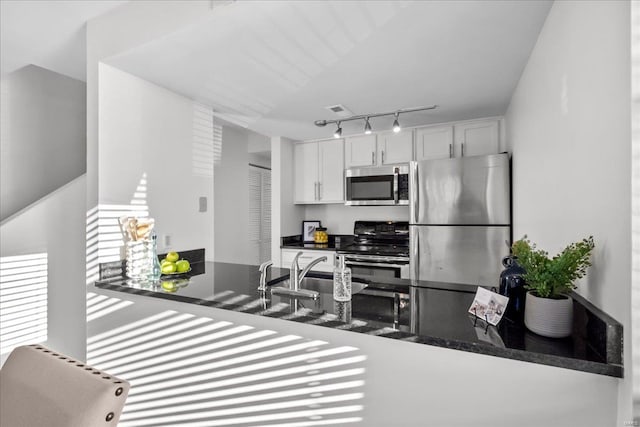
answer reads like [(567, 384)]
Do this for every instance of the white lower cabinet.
[(307, 256)]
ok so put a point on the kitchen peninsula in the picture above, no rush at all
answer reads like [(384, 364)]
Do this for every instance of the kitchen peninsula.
[(427, 313)]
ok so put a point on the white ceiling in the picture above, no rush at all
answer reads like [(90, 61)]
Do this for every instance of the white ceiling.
[(273, 66), (47, 33)]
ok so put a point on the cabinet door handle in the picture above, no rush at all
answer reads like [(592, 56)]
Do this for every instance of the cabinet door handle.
[(319, 191), (315, 191), (383, 157), (462, 149), (373, 158), (450, 150)]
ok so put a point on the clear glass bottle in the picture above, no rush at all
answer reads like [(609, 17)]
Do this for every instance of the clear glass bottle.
[(154, 264), (341, 280), (342, 310)]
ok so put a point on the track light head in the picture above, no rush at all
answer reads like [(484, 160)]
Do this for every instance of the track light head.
[(367, 127), (321, 123), (338, 132), (396, 124)]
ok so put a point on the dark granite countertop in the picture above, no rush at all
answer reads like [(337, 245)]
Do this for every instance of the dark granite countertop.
[(335, 243), (424, 312)]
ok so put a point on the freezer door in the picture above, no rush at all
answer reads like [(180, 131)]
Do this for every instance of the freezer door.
[(468, 190), (458, 254)]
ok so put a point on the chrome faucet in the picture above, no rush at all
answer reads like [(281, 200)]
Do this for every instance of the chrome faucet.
[(296, 275), (295, 278), (264, 268)]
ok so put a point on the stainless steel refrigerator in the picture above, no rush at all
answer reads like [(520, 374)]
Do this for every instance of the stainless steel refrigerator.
[(460, 219)]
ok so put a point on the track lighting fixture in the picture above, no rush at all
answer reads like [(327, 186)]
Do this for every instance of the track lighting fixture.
[(366, 117), (338, 132), (396, 125), (367, 126)]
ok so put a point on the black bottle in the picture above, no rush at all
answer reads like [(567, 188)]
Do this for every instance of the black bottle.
[(512, 286)]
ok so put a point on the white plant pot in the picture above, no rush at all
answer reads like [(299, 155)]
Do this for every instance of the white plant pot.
[(549, 317)]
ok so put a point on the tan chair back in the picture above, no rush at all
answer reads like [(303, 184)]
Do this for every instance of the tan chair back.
[(40, 387)]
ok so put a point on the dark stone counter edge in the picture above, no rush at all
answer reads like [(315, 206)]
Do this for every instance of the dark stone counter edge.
[(614, 370), (336, 242)]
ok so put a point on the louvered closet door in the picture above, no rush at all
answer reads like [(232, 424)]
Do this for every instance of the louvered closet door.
[(259, 215)]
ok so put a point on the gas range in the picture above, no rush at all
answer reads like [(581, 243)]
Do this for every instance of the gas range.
[(380, 238), (380, 248)]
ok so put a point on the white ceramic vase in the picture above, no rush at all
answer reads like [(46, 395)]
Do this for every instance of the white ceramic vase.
[(549, 317)]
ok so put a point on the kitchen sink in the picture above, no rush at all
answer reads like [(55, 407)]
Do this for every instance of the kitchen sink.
[(323, 285)]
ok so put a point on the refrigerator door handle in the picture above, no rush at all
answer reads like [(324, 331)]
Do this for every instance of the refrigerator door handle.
[(414, 255), (413, 192)]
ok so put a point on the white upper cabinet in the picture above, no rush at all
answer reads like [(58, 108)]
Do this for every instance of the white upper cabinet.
[(434, 142), (381, 149), (305, 158), (477, 138), (331, 171), (319, 172), (360, 151), (395, 148), (473, 138)]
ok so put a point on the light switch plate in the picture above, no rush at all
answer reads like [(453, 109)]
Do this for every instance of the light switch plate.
[(202, 202)]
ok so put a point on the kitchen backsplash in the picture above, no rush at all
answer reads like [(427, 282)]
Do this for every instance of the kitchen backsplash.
[(339, 219)]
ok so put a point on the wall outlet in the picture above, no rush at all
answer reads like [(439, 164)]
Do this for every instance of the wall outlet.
[(166, 240), (202, 204)]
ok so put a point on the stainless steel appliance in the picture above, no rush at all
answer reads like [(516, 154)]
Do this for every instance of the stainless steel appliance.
[(380, 248), (379, 185), (460, 218)]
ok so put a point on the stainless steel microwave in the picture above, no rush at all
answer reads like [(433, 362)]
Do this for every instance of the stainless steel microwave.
[(377, 185)]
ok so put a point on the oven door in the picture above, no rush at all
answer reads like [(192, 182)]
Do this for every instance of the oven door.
[(378, 266)]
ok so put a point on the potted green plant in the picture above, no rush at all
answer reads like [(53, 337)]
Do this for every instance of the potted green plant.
[(549, 282)]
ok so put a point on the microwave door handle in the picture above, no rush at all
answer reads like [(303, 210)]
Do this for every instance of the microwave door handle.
[(396, 174)]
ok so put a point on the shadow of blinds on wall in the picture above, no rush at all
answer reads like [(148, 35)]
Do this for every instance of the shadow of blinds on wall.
[(206, 147), (259, 214)]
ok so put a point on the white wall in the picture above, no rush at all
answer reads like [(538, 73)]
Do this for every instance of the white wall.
[(339, 218), (260, 159), (569, 125), (635, 220), (43, 138), (148, 130), (286, 218), (231, 231), (123, 28), (56, 226)]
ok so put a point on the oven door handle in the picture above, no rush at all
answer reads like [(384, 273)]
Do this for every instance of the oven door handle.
[(367, 261), (372, 259), (373, 264)]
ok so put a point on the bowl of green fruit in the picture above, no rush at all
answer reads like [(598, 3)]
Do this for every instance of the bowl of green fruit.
[(173, 265)]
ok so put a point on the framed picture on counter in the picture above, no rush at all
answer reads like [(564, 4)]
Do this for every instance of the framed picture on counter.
[(308, 227)]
